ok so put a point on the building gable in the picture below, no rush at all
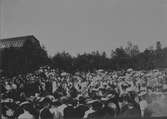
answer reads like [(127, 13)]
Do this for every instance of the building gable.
[(16, 42)]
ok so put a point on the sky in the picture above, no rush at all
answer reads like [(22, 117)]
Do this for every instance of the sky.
[(78, 26)]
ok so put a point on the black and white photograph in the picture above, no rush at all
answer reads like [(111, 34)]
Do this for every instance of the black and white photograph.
[(83, 59)]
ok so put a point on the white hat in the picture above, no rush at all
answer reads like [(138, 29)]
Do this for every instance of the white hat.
[(63, 74), (142, 93), (129, 70), (91, 101), (104, 99)]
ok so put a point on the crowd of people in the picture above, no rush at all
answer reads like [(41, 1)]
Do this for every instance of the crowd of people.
[(47, 94)]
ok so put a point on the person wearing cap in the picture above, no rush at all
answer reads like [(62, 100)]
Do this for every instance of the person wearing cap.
[(131, 110), (26, 112), (46, 114), (90, 110), (63, 101), (69, 111), (54, 110), (73, 92), (142, 102), (97, 110), (110, 107), (45, 103), (81, 108)]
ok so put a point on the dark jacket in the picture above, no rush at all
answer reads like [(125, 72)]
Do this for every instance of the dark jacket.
[(80, 111), (69, 112)]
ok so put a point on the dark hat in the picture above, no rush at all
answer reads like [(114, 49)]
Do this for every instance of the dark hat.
[(97, 105), (45, 100), (82, 99), (27, 106), (65, 100), (56, 103)]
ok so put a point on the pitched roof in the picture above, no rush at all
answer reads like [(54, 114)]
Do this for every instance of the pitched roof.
[(16, 42)]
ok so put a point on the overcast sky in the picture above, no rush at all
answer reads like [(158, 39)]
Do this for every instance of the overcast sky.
[(86, 25)]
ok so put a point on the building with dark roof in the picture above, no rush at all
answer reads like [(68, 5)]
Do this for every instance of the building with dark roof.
[(17, 42)]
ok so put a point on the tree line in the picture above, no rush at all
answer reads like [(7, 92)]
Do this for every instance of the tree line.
[(27, 59)]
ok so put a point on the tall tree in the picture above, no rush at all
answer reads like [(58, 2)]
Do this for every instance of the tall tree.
[(63, 62), (121, 59), (158, 45), (131, 49)]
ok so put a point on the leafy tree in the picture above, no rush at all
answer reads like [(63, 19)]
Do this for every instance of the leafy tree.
[(121, 59), (158, 45), (63, 62), (131, 49), (146, 60)]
